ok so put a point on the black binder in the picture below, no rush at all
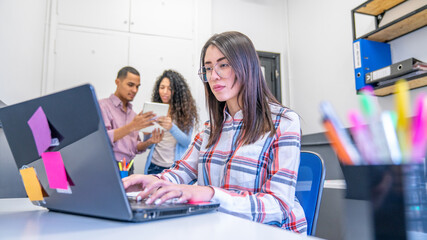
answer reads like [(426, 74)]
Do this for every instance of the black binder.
[(395, 70)]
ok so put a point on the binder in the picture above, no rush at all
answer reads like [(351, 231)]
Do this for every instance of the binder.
[(392, 71), (369, 56)]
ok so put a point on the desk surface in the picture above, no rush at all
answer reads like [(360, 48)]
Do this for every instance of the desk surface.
[(19, 219)]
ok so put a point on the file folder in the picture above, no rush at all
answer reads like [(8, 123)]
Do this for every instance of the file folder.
[(369, 56), (393, 71)]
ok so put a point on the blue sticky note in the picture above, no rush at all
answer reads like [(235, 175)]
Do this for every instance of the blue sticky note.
[(40, 129)]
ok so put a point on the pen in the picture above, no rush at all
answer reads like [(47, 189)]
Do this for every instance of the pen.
[(341, 134), (403, 125), (336, 143)]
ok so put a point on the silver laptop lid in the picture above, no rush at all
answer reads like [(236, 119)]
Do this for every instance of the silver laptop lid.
[(74, 117)]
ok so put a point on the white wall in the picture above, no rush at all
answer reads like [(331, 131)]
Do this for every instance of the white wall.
[(321, 58), (22, 32), (313, 37), (263, 21)]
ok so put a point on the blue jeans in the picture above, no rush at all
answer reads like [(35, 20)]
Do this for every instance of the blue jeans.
[(154, 169)]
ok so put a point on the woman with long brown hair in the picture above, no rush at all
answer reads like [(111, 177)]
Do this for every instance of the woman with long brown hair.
[(171, 88), (247, 158)]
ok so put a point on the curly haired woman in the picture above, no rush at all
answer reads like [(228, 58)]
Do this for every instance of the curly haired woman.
[(171, 88)]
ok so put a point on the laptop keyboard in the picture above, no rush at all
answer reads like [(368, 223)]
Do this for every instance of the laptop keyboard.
[(141, 204)]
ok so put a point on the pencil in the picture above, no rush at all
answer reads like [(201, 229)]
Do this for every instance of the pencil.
[(130, 164)]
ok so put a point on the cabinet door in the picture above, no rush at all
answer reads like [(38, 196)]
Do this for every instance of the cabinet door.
[(163, 17), (111, 14), (82, 57), (152, 55)]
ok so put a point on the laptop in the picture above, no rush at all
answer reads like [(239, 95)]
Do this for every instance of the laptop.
[(96, 188)]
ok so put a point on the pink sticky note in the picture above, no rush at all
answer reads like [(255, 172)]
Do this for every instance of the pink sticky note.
[(41, 131), (55, 170)]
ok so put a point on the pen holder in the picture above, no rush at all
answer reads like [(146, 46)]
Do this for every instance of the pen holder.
[(124, 174), (395, 199)]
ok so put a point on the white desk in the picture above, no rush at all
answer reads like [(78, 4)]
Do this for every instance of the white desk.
[(19, 219)]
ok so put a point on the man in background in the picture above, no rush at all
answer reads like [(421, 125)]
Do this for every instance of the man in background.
[(122, 123)]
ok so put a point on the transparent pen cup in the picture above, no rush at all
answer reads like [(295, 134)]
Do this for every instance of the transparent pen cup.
[(395, 199)]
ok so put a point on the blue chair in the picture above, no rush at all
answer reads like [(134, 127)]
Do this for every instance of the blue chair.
[(311, 176)]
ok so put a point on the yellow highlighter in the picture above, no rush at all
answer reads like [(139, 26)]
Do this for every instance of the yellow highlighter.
[(403, 127)]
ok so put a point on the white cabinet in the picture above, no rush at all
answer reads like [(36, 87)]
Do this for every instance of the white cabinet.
[(172, 18), (102, 14), (89, 57), (94, 39), (152, 55)]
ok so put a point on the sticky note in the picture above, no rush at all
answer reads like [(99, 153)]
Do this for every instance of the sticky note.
[(40, 129), (55, 170), (32, 185)]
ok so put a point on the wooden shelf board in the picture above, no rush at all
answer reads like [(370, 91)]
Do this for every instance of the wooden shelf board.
[(399, 27), (415, 83), (376, 7)]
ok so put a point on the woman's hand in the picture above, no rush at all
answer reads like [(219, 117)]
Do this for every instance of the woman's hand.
[(165, 122), (163, 190), (156, 136), (138, 182)]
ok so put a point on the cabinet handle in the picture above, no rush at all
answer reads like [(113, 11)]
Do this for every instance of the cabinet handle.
[(125, 22)]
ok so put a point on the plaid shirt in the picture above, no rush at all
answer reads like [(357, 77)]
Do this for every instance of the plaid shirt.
[(255, 181)]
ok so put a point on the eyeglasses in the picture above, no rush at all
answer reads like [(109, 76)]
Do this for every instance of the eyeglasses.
[(223, 69)]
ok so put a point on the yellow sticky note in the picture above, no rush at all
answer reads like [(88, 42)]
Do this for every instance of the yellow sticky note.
[(32, 184)]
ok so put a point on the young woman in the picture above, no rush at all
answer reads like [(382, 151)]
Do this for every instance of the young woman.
[(247, 157), (171, 88)]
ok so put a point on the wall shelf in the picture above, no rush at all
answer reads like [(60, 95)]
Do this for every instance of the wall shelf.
[(420, 81), (403, 25), (412, 20)]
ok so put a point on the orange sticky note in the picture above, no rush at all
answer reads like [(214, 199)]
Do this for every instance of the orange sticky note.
[(31, 183)]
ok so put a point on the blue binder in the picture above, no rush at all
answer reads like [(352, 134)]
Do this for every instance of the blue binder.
[(369, 56)]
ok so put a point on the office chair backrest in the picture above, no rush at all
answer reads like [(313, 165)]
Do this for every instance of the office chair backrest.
[(311, 175)]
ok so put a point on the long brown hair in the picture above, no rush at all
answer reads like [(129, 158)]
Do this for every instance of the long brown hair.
[(240, 52), (183, 107)]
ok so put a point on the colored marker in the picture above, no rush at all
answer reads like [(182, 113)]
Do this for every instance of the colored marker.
[(362, 137), (391, 137), (403, 128), (371, 110), (419, 139)]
